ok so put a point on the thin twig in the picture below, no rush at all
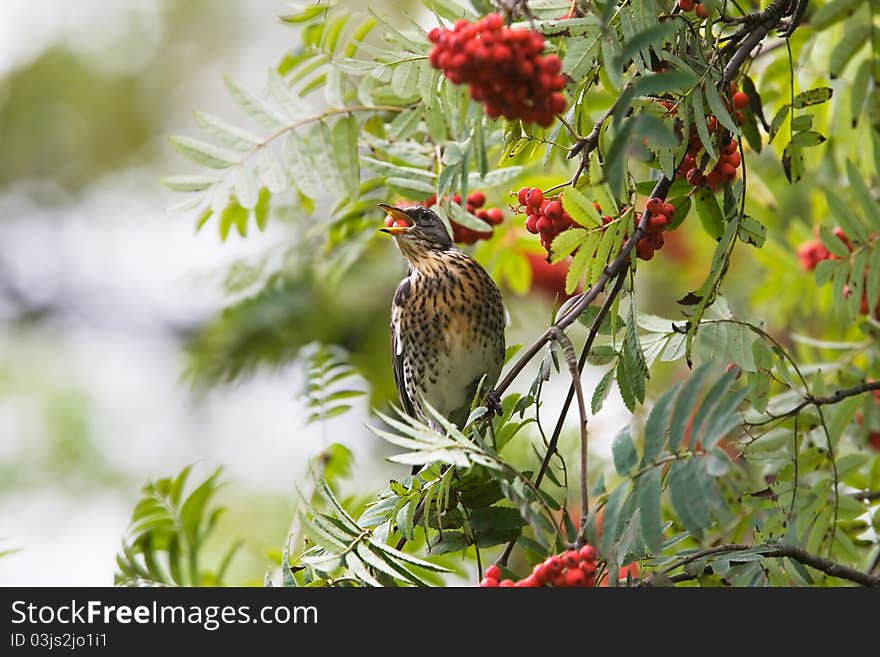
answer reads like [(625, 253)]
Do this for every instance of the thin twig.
[(591, 337), (568, 350), (810, 400), (830, 568)]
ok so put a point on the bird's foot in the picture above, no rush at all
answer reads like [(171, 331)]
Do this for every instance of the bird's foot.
[(493, 402)]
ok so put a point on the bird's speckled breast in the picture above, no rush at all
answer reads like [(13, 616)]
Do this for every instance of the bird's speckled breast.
[(450, 323)]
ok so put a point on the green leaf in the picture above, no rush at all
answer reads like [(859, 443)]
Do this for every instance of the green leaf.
[(751, 231), (873, 277), (702, 125), (709, 212), (802, 122), (656, 425), (814, 96), (867, 203), (661, 83), (580, 208), (405, 79), (611, 519), (624, 385), (847, 220), (807, 139), (227, 134), (843, 413), (233, 215), (653, 37), (649, 510), (345, 147), (683, 490), (203, 153), (845, 49), (577, 268), (623, 450), (833, 243), (193, 183), (255, 107), (261, 210), (830, 13), (778, 120), (685, 404), (566, 242), (600, 393), (718, 108)]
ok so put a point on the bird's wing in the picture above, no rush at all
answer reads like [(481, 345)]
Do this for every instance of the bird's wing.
[(397, 348)]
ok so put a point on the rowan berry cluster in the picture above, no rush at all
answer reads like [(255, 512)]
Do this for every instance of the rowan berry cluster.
[(693, 165), (544, 216), (813, 252), (571, 568), (503, 67), (660, 214), (473, 205), (690, 5), (547, 217)]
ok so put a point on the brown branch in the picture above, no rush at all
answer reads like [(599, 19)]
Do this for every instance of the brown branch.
[(830, 568), (867, 495), (810, 400), (568, 350)]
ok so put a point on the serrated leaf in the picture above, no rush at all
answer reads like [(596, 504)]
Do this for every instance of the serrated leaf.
[(660, 83), (711, 217), (623, 451), (577, 269), (600, 392), (345, 150), (254, 106), (649, 510), (866, 200), (778, 120), (814, 96), (192, 183), (657, 424), (807, 139), (845, 49), (718, 108), (625, 387), (405, 79), (792, 163), (845, 217), (751, 231), (682, 489), (227, 134), (580, 208), (611, 520), (685, 404), (203, 153), (566, 242), (702, 125), (872, 285), (833, 243), (830, 13)]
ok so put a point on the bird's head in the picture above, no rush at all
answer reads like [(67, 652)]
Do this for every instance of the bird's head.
[(423, 233)]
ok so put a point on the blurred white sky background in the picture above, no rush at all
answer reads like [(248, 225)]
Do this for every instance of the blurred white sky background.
[(124, 275), (124, 271)]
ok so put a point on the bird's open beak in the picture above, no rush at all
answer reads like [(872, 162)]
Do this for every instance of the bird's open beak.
[(398, 215)]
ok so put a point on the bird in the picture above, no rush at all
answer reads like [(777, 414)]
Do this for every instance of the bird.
[(447, 320)]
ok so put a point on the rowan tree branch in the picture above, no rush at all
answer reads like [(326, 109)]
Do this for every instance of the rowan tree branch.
[(568, 350), (830, 568), (810, 400)]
